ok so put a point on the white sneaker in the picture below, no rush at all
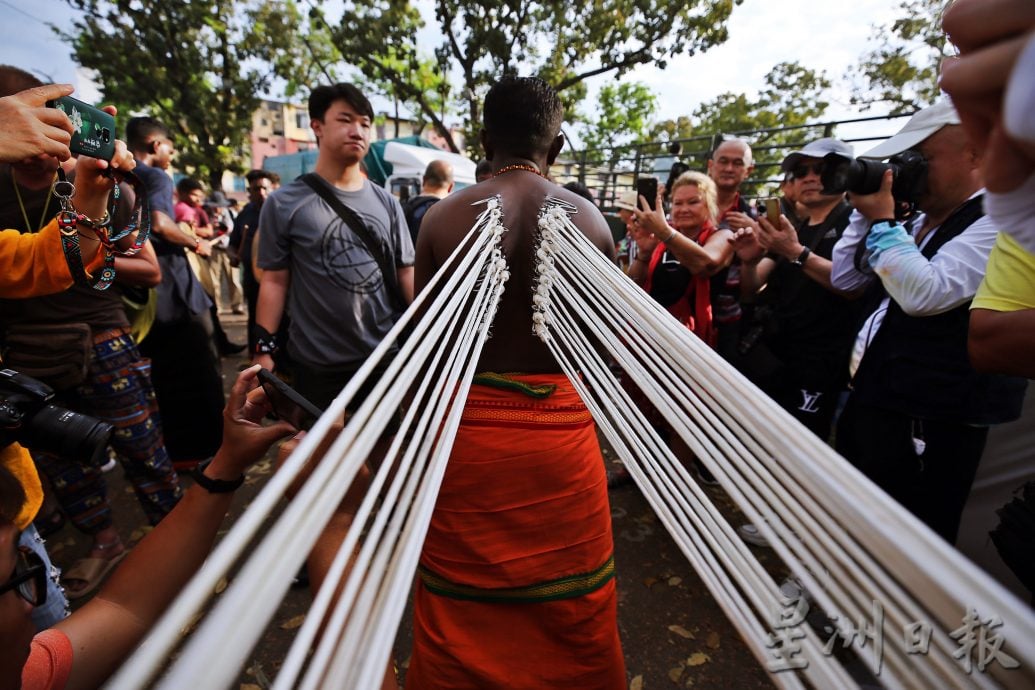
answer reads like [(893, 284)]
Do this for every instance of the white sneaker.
[(749, 533)]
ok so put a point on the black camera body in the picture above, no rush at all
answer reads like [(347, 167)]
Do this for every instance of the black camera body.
[(863, 176), (28, 418)]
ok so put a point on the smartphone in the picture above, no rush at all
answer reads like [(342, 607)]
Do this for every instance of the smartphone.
[(647, 187), (94, 129), (288, 404), (772, 210)]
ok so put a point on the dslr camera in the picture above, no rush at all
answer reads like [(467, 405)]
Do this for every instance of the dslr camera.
[(28, 418), (863, 176)]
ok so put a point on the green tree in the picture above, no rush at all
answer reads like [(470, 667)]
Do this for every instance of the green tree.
[(793, 95), (563, 42), (902, 70), (623, 115), (200, 67)]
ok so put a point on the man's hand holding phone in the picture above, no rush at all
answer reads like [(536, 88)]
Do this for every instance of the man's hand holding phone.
[(29, 129)]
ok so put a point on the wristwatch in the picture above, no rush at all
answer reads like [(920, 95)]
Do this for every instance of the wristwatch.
[(214, 486), (803, 257)]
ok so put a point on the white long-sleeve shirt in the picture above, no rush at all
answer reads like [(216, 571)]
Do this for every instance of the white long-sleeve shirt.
[(921, 287)]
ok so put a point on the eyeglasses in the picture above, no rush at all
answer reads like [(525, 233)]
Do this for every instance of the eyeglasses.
[(29, 578), (802, 169)]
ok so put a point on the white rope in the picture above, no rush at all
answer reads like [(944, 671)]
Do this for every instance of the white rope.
[(844, 539), (688, 383), (252, 599)]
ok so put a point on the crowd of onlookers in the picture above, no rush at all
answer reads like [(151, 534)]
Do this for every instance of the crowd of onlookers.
[(893, 321)]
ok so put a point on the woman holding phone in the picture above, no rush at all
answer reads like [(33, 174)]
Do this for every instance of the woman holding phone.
[(677, 257)]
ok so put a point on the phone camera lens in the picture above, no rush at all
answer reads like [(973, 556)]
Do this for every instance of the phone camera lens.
[(106, 135)]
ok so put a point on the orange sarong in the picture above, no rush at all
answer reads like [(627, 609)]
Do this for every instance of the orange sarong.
[(517, 582)]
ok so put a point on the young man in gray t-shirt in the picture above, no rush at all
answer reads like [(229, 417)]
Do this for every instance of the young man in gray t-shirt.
[(341, 306)]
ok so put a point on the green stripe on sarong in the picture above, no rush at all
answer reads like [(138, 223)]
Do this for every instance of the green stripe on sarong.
[(494, 380), (565, 588)]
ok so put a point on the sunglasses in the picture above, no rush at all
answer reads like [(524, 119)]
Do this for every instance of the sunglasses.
[(802, 169), (29, 578)]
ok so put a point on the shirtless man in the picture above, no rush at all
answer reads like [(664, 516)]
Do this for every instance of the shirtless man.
[(539, 520)]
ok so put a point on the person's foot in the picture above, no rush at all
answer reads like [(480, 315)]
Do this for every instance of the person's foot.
[(88, 573), (703, 475), (237, 310)]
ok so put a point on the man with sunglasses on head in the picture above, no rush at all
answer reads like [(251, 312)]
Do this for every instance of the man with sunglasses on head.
[(918, 415)]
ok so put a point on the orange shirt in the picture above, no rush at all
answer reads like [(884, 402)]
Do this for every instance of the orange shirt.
[(33, 264)]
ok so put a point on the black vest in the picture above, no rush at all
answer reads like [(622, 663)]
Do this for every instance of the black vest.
[(919, 365)]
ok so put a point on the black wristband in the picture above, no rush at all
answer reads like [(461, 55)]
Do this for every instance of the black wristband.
[(878, 221), (803, 257), (214, 486), (265, 342)]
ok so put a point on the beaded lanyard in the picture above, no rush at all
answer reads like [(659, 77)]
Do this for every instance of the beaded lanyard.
[(69, 219)]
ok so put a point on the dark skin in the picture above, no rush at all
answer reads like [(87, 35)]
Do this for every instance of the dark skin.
[(513, 347)]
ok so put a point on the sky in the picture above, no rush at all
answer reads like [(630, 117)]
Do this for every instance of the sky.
[(820, 35)]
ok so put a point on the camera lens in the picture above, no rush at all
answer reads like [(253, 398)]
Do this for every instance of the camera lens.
[(106, 135), (67, 434)]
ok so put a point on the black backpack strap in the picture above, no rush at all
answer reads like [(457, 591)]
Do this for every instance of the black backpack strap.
[(356, 224)]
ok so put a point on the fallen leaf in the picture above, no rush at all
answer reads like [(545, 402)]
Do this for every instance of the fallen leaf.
[(674, 581), (636, 683), (292, 623), (674, 674), (697, 659), (712, 640), (681, 631), (221, 585), (650, 581), (689, 681)]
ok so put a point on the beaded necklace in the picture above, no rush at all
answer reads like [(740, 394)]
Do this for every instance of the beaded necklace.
[(518, 166)]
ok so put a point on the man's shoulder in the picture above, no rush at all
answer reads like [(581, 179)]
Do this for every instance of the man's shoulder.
[(152, 177)]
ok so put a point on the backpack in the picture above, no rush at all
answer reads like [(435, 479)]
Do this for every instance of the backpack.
[(414, 210)]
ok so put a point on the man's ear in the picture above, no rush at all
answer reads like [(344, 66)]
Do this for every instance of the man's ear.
[(555, 149), (152, 146), (317, 127), (483, 137)]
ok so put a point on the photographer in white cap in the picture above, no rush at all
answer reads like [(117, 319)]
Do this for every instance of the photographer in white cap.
[(917, 417)]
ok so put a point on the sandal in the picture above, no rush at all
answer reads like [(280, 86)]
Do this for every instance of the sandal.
[(91, 572)]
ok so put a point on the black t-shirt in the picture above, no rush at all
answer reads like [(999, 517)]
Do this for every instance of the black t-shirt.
[(811, 321)]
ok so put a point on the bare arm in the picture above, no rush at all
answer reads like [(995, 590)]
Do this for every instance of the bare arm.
[(106, 629), (707, 259), (405, 277), (139, 270), (170, 231), (270, 308)]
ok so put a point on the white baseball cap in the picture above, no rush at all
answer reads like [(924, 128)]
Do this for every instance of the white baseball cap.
[(627, 200), (819, 148), (922, 125)]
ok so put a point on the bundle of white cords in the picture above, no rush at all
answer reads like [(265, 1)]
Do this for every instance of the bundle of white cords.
[(848, 542)]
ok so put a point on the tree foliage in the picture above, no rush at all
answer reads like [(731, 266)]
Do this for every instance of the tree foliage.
[(200, 67), (902, 70), (623, 115), (792, 95), (563, 42)]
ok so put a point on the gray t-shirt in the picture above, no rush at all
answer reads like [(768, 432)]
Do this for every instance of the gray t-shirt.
[(338, 300)]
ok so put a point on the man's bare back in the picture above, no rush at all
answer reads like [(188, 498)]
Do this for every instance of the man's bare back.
[(513, 347)]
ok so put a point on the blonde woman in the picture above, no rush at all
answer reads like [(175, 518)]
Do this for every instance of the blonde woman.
[(677, 257)]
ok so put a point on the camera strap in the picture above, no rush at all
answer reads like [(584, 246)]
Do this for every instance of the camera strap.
[(69, 220), (356, 224)]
